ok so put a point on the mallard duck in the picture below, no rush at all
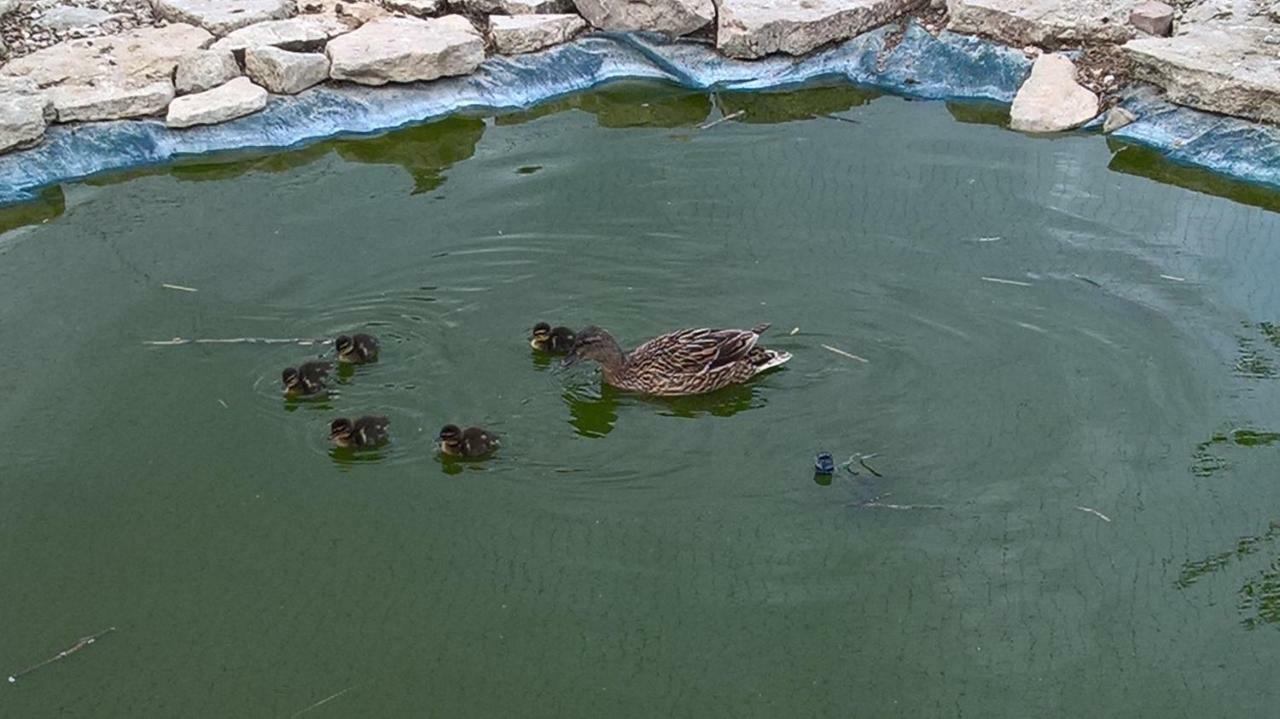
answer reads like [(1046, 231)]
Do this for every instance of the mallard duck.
[(366, 431), (556, 340), (469, 442), (685, 362), (306, 378), (357, 349)]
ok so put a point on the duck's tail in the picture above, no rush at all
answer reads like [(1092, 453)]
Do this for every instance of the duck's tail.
[(766, 359)]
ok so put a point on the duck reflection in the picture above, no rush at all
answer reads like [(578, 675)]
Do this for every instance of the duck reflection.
[(593, 410)]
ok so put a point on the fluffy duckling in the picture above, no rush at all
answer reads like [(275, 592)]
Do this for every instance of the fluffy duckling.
[(305, 379), (356, 349), (556, 340), (363, 432), (469, 442)]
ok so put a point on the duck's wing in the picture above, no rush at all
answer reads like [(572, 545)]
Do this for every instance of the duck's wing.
[(694, 351)]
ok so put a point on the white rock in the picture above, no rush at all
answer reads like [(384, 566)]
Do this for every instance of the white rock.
[(66, 17), (516, 7), (22, 120), (1043, 22), (305, 32), (237, 98), (142, 54), (416, 8), (6, 6), (204, 70), (406, 50), (755, 28), (1152, 17), (284, 72), (514, 34), (223, 16), (1229, 71), (1117, 117), (110, 100), (673, 17), (1051, 100)]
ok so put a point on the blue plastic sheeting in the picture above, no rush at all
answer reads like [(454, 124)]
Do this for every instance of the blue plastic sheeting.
[(1227, 145), (952, 66), (921, 65)]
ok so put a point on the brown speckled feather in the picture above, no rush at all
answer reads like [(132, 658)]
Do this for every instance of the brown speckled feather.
[(694, 361)]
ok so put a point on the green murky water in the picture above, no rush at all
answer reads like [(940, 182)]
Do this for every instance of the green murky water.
[(1070, 385)]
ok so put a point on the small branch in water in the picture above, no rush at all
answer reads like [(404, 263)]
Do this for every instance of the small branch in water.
[(712, 123), (81, 644), (1001, 281), (322, 702), (1172, 277), (794, 331), (1095, 512), (1082, 278), (830, 116), (875, 503), (842, 353), (179, 288), (176, 341)]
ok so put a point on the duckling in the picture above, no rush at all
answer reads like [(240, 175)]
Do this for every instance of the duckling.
[(357, 349), (545, 338), (305, 379), (469, 442), (364, 432)]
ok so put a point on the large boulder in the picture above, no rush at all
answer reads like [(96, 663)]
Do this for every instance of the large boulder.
[(204, 70), (416, 8), (1048, 23), (284, 72), (515, 7), (672, 17), (304, 32), (124, 75), (68, 17), (1051, 100), (22, 119), (406, 50), (223, 16), (755, 28), (1230, 71), (237, 98), (514, 34)]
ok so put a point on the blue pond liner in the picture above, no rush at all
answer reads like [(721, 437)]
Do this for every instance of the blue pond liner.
[(945, 67)]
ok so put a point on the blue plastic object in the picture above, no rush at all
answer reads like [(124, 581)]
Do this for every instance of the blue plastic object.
[(824, 464)]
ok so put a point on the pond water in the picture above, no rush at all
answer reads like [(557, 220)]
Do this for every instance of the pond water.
[(1070, 383)]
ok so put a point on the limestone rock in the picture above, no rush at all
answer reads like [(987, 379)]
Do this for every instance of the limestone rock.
[(416, 8), (22, 120), (7, 5), (755, 28), (516, 7), (1152, 17), (1043, 22), (673, 17), (112, 99), (66, 17), (1229, 71), (237, 98), (406, 50), (204, 70), (1051, 100), (284, 72), (1117, 117), (223, 16), (514, 34), (143, 54), (305, 32)]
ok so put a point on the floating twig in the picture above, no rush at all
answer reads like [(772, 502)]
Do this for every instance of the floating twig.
[(1095, 512), (846, 354), (863, 461), (883, 505), (794, 331), (1174, 278), (831, 116), (179, 288), (224, 404), (989, 239), (176, 341), (712, 123), (322, 702), (80, 644), (1082, 278), (1002, 281)]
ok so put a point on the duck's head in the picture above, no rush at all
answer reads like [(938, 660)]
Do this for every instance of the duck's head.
[(540, 336), (344, 344), (450, 438), (594, 343), (341, 430), (292, 379)]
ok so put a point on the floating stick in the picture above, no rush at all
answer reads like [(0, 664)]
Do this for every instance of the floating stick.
[(718, 120), (1095, 512), (846, 354), (81, 644)]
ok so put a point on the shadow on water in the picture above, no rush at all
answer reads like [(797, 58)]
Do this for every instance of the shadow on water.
[(1258, 599), (626, 104), (980, 113), (1145, 162), (802, 104), (594, 412)]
